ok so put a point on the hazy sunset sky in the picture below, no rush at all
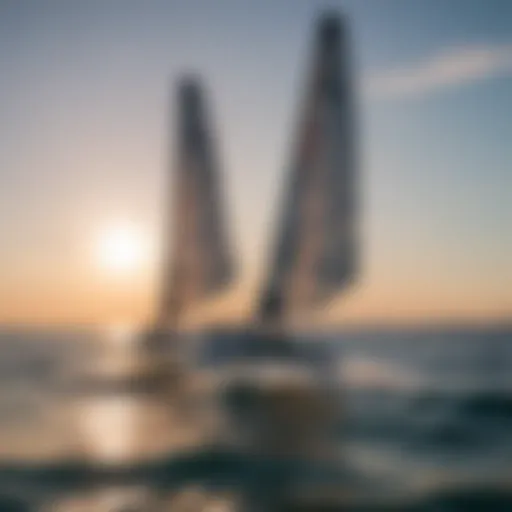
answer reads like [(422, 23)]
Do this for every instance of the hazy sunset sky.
[(85, 113)]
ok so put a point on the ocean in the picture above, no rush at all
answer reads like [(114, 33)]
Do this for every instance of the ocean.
[(427, 423)]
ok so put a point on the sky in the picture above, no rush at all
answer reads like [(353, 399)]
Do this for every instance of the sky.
[(86, 107)]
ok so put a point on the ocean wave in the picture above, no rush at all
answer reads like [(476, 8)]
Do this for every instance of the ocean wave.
[(361, 372)]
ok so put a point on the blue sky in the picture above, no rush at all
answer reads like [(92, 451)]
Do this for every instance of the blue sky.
[(86, 101)]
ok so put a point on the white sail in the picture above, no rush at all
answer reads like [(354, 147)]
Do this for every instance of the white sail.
[(315, 255), (200, 263)]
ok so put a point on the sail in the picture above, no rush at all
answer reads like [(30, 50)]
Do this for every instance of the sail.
[(200, 263), (315, 254)]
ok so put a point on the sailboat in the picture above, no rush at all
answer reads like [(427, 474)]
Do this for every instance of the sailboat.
[(277, 393)]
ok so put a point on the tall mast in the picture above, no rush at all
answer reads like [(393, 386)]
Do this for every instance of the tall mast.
[(197, 262), (315, 253)]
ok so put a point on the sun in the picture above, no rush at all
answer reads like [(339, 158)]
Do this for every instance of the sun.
[(120, 249)]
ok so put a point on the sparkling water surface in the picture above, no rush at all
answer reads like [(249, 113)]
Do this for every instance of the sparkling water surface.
[(427, 422)]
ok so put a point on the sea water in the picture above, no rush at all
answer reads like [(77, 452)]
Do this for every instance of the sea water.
[(427, 422)]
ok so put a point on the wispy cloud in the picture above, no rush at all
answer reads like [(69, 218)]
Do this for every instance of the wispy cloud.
[(452, 67)]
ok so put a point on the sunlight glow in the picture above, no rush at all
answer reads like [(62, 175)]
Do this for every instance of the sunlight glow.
[(108, 426), (121, 249)]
